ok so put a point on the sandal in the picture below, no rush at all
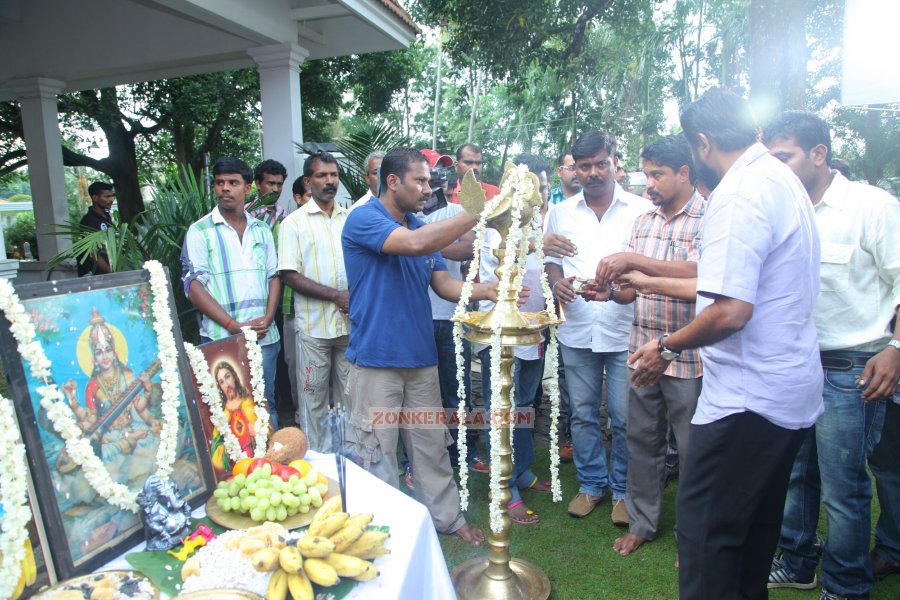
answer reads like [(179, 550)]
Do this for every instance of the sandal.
[(545, 487), (528, 518)]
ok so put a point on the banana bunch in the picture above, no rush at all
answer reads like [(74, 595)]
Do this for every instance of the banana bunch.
[(337, 545)]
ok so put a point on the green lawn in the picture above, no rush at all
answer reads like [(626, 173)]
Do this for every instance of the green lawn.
[(577, 554)]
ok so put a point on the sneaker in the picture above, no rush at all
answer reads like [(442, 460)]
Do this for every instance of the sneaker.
[(582, 504), (566, 453), (479, 466), (408, 479), (620, 514), (826, 595), (780, 577)]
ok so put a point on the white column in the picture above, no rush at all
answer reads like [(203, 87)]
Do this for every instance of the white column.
[(43, 142), (279, 84)]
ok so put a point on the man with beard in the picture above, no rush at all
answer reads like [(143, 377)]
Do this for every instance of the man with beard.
[(859, 227), (469, 158), (594, 337), (757, 282), (311, 262), (664, 242), (392, 258), (229, 270)]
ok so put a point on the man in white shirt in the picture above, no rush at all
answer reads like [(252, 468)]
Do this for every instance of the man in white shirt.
[(757, 282), (311, 261), (859, 229), (372, 164), (442, 310), (594, 338)]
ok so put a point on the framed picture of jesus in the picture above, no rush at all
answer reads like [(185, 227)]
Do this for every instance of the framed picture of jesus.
[(98, 334), (229, 367)]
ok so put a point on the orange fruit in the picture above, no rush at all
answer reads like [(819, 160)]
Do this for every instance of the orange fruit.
[(301, 466), (241, 466), (322, 479)]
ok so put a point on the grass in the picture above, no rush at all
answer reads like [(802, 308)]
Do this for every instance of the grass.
[(577, 554)]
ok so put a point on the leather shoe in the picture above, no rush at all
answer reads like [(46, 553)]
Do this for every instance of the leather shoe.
[(620, 514), (881, 568), (582, 504)]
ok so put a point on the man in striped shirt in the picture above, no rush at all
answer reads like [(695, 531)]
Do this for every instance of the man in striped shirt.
[(664, 243), (311, 261), (229, 270)]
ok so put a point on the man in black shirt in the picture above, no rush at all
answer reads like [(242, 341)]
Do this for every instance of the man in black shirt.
[(98, 217)]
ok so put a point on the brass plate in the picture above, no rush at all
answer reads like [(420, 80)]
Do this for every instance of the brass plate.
[(77, 581), (233, 520), (219, 595)]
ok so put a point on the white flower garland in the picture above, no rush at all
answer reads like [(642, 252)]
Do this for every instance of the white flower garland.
[(458, 331), (496, 513), (258, 385), (60, 413), (512, 272), (552, 358), (14, 491), (210, 395), (171, 382)]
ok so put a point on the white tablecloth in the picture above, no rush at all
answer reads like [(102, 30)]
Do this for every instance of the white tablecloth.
[(414, 569)]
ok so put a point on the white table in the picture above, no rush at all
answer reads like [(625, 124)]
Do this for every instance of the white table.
[(414, 569)]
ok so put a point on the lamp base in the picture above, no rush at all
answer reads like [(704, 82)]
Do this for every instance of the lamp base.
[(526, 582)]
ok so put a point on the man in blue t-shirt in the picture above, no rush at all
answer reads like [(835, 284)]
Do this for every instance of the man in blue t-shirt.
[(391, 259)]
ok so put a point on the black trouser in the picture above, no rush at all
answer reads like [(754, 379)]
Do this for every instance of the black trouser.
[(730, 503)]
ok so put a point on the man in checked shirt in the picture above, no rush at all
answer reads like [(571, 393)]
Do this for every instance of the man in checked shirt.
[(663, 243)]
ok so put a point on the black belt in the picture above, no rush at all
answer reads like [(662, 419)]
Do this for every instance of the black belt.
[(841, 361)]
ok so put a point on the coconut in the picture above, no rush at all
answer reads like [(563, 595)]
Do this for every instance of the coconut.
[(286, 445)]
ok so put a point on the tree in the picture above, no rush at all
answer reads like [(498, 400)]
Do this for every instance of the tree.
[(102, 107), (507, 36)]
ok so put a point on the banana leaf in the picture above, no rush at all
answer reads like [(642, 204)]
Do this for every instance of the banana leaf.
[(164, 570)]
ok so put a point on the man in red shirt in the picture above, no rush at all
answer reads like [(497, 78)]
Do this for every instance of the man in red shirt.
[(469, 157)]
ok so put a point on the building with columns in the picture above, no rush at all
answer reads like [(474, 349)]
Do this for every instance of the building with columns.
[(51, 47)]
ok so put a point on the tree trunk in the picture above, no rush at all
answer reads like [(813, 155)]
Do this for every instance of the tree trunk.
[(777, 57)]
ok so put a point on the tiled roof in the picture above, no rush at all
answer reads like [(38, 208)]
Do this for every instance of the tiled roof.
[(401, 14)]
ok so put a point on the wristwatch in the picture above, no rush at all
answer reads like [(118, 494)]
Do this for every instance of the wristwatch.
[(666, 353), (895, 344)]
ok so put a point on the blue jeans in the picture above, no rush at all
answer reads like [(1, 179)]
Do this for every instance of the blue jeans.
[(443, 337), (885, 465), (584, 380), (831, 465), (527, 375)]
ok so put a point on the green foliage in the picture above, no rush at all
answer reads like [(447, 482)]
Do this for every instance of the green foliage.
[(374, 79), (355, 146), (22, 230), (157, 233)]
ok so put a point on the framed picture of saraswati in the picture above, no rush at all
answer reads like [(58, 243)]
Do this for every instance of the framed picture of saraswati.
[(98, 334)]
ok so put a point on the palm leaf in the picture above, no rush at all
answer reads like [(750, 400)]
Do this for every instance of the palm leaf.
[(355, 147)]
